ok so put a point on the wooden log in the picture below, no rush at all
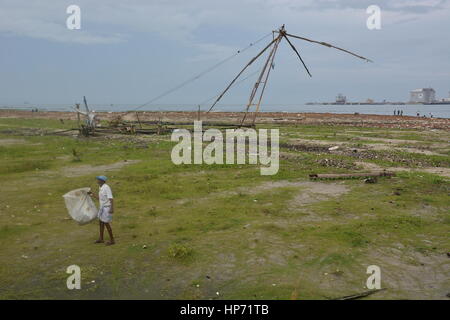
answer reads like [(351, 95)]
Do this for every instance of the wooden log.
[(360, 295), (315, 176)]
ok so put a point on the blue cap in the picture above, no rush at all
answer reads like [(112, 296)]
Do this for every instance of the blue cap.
[(103, 178)]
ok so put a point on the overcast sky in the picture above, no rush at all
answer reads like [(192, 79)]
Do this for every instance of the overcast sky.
[(128, 52)]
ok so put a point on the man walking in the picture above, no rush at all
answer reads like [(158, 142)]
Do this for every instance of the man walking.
[(106, 210)]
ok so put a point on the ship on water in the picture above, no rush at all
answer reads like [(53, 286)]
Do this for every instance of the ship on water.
[(423, 96), (341, 99)]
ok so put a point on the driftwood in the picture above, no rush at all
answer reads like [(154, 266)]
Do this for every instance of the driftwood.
[(360, 295), (315, 176), (187, 123)]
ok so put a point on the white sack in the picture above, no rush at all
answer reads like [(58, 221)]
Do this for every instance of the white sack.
[(80, 205)]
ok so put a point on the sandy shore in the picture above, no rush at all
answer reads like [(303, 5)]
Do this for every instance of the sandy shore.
[(364, 120)]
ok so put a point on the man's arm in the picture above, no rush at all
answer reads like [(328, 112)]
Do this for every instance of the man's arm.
[(111, 210)]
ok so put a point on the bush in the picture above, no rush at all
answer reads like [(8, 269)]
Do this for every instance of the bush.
[(179, 251)]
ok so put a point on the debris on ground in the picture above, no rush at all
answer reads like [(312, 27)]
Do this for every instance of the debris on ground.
[(304, 147), (371, 180), (337, 163), (360, 295), (315, 176)]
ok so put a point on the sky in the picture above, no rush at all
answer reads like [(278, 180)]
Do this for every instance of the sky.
[(129, 52)]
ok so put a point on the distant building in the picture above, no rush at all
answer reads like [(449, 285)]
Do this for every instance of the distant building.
[(447, 99), (341, 99), (424, 95)]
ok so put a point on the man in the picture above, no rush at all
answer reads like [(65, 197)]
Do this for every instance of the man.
[(106, 210)]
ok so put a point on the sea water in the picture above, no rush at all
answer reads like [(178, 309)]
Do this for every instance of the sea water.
[(437, 111)]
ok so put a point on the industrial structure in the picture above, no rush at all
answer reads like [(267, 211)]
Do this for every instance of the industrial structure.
[(341, 99), (424, 95)]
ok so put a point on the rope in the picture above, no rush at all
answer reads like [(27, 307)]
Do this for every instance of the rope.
[(242, 80), (181, 85)]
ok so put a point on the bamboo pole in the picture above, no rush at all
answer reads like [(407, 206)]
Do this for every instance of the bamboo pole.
[(258, 81), (239, 74), (329, 46), (298, 54), (139, 121), (265, 80), (351, 175)]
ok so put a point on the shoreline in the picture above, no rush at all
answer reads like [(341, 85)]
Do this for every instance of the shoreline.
[(305, 118)]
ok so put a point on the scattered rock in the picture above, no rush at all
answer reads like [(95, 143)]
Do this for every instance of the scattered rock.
[(304, 147), (338, 273), (336, 163), (371, 180)]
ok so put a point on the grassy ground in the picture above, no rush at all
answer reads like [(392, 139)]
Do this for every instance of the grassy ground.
[(224, 232)]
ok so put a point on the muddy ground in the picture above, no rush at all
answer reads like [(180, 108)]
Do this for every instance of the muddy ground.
[(358, 120)]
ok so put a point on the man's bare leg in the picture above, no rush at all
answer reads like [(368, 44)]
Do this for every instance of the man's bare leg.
[(102, 228), (111, 237)]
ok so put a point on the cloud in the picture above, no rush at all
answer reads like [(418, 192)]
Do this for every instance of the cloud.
[(405, 6), (186, 22), (44, 20), (112, 21)]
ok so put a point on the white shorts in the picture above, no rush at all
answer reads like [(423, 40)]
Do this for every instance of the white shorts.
[(104, 215)]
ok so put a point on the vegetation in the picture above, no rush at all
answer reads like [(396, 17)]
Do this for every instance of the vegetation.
[(191, 231)]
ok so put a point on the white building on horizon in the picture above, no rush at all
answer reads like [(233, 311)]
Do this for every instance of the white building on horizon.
[(424, 95), (447, 99)]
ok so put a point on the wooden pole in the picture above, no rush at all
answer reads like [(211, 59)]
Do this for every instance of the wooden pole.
[(298, 54), (265, 81), (329, 46), (315, 176), (239, 74), (259, 80), (139, 121), (78, 114)]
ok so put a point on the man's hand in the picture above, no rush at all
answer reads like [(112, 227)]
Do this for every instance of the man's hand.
[(92, 195)]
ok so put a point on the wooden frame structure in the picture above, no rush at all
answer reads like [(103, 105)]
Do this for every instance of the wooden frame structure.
[(258, 91)]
